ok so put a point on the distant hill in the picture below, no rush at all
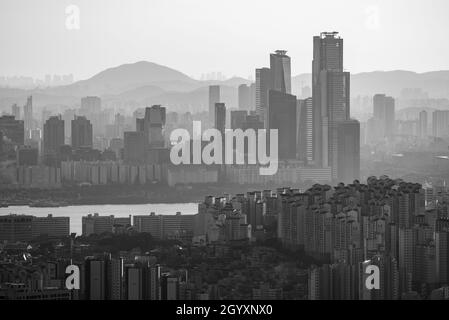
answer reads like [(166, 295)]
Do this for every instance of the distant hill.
[(145, 83), (128, 77)]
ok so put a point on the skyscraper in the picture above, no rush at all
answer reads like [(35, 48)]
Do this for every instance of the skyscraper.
[(442, 254), (244, 97), (422, 124), (220, 118), (153, 283), (152, 125), (28, 115), (114, 274), (280, 66), (327, 57), (305, 130), (331, 98), (407, 256), (335, 107), (282, 116), (384, 115), (263, 85), (348, 148), (53, 134), (82, 134), (214, 97)]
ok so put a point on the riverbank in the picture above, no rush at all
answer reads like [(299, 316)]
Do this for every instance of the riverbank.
[(75, 213), (114, 195)]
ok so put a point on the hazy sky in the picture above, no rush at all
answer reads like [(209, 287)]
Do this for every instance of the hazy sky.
[(231, 36)]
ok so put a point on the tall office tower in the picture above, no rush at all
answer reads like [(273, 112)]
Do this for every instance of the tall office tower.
[(114, 274), (15, 111), (244, 97), (331, 99), (422, 124), (384, 116), (53, 135), (335, 106), (327, 56), (135, 147), (314, 283), (442, 256), (263, 86), (82, 133), (348, 133), (238, 119), (280, 66), (440, 123), (304, 140), (407, 255), (28, 114), (220, 118), (13, 129), (90, 105), (282, 116), (214, 97), (95, 279), (153, 125), (153, 282)]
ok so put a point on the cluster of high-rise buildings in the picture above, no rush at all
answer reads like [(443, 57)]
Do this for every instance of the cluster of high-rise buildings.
[(402, 228), (103, 277), (316, 130)]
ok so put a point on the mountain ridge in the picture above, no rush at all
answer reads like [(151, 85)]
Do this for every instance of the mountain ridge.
[(146, 82)]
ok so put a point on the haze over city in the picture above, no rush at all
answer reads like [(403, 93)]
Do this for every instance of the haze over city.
[(200, 37), (224, 150)]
